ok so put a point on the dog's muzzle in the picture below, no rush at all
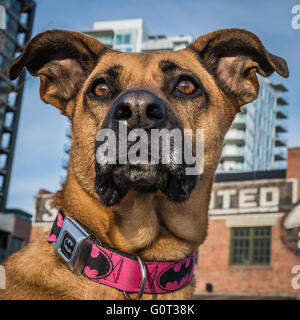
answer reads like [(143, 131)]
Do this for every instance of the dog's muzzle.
[(138, 148)]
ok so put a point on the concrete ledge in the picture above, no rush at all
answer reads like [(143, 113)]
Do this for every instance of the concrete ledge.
[(253, 220)]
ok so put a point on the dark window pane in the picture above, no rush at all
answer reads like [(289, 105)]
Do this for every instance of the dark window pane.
[(15, 245), (119, 39), (127, 38), (250, 243)]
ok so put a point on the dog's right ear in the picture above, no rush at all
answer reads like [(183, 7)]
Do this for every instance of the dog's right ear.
[(63, 60)]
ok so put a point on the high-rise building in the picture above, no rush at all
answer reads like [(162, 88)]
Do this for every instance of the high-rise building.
[(15, 224), (19, 20), (257, 138)]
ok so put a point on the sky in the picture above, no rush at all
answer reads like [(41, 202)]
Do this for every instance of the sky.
[(42, 129)]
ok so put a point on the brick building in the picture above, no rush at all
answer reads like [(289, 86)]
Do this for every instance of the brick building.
[(253, 240), (15, 229)]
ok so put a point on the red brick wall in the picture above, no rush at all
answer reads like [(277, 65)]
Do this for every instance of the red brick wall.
[(213, 266), (293, 167)]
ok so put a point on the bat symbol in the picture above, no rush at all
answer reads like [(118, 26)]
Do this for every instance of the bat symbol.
[(104, 266), (68, 245), (175, 274)]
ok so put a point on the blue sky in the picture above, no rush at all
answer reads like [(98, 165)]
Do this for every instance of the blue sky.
[(42, 130)]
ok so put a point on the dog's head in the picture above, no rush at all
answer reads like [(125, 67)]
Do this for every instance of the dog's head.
[(101, 90)]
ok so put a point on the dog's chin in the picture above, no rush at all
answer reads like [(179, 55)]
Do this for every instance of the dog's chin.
[(113, 186)]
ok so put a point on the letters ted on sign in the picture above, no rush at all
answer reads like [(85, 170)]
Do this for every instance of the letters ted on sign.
[(253, 196)]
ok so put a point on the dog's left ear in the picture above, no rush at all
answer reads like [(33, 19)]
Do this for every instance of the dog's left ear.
[(233, 56), (63, 60)]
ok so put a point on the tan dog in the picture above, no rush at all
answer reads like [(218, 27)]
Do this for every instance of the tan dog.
[(153, 212)]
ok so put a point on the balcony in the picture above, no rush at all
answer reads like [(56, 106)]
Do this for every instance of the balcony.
[(280, 154), (235, 136), (104, 36), (279, 87), (281, 125), (65, 163), (279, 165), (282, 100), (157, 44), (68, 132), (67, 148), (229, 166), (281, 90), (239, 121), (281, 141), (282, 112), (232, 152)]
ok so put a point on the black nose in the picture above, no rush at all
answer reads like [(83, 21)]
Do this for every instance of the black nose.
[(140, 108)]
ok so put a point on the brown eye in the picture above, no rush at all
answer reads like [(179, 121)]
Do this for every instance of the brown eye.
[(101, 89), (186, 86)]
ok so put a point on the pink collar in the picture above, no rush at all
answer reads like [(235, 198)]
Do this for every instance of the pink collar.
[(85, 254)]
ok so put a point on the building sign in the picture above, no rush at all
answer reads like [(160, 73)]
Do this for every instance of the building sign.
[(261, 197), (255, 196), (44, 213)]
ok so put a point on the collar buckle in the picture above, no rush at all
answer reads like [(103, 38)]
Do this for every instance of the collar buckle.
[(74, 245)]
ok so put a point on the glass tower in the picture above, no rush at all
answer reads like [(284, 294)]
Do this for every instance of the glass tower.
[(257, 138)]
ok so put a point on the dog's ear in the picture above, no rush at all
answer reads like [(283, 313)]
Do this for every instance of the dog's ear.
[(62, 59), (233, 56)]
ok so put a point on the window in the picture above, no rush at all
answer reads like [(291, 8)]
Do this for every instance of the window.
[(3, 161), (3, 245), (3, 239), (107, 40), (123, 38), (250, 246), (9, 117), (15, 244), (119, 39), (127, 38), (5, 140)]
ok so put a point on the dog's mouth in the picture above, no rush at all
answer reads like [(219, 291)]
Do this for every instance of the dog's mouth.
[(113, 185), (148, 159)]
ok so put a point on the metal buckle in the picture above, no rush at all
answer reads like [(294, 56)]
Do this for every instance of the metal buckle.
[(143, 282), (74, 245)]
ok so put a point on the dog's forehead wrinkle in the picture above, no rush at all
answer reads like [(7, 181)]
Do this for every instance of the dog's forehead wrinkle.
[(142, 69), (110, 71), (130, 67)]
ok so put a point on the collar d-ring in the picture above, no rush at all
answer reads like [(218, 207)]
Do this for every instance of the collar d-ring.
[(143, 282)]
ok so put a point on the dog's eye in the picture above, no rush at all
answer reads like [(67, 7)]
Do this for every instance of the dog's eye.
[(186, 87), (101, 89)]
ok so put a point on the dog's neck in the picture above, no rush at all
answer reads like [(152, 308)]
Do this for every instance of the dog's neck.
[(143, 223)]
